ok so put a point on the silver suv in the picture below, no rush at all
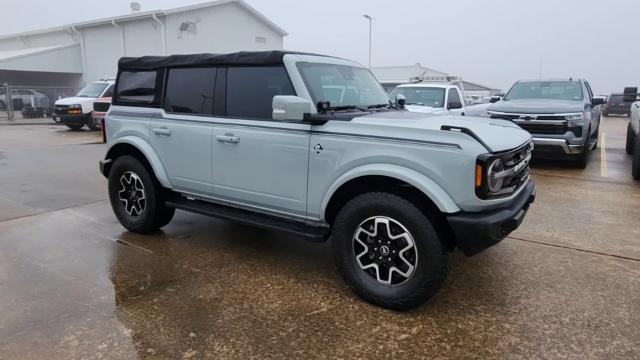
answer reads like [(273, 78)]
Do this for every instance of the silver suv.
[(312, 146), (562, 115)]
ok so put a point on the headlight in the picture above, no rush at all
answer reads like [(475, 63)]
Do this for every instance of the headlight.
[(494, 182)]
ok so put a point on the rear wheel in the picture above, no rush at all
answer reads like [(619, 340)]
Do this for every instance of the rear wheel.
[(631, 137), (136, 197), (388, 251)]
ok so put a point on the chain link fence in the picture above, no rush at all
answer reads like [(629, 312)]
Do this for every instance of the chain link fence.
[(29, 102)]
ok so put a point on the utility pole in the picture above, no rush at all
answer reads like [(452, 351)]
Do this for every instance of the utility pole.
[(370, 21)]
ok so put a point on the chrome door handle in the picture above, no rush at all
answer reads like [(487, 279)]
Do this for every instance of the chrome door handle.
[(163, 131), (228, 138)]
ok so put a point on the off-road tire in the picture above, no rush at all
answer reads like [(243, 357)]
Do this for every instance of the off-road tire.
[(155, 214), (430, 270), (635, 163), (631, 138), (91, 123)]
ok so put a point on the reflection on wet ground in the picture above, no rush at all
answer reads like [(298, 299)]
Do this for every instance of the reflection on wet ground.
[(74, 284)]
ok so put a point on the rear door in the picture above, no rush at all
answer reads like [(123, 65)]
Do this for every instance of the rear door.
[(258, 162), (181, 132)]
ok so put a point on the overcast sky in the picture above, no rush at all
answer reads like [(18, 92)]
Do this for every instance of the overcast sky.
[(494, 42)]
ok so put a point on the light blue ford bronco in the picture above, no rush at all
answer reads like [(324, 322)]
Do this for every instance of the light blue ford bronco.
[(311, 145)]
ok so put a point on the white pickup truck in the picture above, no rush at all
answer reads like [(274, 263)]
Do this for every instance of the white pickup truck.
[(432, 96)]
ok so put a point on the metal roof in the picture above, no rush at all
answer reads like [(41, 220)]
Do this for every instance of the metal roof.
[(150, 14), (59, 58)]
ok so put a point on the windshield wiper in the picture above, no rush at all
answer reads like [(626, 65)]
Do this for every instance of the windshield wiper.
[(347, 107)]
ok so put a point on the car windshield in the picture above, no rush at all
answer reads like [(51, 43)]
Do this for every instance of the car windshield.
[(551, 90), (342, 85), (92, 90), (423, 96)]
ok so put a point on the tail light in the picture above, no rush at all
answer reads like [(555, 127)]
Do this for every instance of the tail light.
[(103, 130)]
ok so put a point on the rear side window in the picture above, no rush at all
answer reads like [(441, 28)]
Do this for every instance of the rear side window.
[(190, 90), (138, 87), (250, 90), (453, 96)]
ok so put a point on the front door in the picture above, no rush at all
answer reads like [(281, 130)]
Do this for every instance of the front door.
[(259, 162)]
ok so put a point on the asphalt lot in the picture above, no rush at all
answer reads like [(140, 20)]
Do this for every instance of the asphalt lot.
[(74, 284)]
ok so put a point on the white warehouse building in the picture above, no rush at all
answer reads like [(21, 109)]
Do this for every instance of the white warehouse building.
[(75, 54)]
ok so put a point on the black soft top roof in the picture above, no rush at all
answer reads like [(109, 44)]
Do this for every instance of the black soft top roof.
[(239, 58)]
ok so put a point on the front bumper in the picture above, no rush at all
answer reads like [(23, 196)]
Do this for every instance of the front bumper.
[(73, 119), (477, 231), (554, 146)]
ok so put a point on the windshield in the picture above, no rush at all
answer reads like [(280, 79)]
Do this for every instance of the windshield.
[(92, 90), (342, 85), (551, 90), (423, 96)]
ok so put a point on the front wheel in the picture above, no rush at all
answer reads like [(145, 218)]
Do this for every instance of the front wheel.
[(635, 164), (388, 251), (136, 197), (631, 137)]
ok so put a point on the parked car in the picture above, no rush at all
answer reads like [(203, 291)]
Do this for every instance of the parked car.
[(312, 146), (75, 112), (633, 130), (616, 105), (100, 108), (562, 115), (24, 97), (431, 98)]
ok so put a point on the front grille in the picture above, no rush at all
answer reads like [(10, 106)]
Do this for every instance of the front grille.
[(101, 106), (60, 109), (545, 129)]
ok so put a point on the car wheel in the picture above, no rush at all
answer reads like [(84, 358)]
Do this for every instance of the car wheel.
[(136, 197), (91, 123), (635, 164), (388, 251), (631, 136), (75, 126)]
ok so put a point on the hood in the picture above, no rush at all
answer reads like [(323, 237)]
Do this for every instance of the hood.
[(499, 135), (75, 100), (537, 106), (426, 109)]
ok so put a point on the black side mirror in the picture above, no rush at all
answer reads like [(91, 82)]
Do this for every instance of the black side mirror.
[(630, 94), (597, 100), (454, 105), (495, 99)]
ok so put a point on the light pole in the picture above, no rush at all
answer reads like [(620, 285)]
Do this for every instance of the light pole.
[(370, 21)]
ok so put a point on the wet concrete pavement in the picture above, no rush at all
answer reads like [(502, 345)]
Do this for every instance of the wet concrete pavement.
[(74, 284)]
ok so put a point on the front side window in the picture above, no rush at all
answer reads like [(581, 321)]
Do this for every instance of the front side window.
[(190, 90), (92, 90), (546, 90), (342, 85), (137, 86), (250, 90), (419, 95)]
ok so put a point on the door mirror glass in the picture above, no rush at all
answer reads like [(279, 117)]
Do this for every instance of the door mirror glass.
[(630, 94), (288, 107), (454, 105), (598, 100)]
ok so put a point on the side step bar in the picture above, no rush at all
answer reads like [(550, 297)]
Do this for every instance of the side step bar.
[(312, 231)]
